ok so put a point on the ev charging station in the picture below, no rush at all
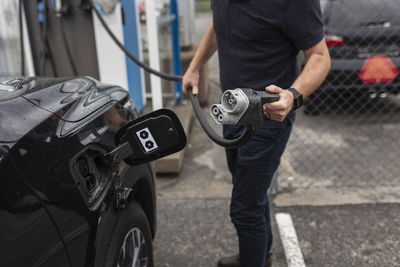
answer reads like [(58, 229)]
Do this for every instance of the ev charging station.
[(115, 67), (93, 51), (124, 22)]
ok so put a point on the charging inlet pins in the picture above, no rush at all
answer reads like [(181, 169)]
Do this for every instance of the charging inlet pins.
[(233, 105)]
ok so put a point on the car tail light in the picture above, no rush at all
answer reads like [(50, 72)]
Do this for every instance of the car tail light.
[(378, 69), (332, 39)]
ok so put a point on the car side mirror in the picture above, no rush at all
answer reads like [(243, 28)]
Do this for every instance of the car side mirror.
[(150, 137)]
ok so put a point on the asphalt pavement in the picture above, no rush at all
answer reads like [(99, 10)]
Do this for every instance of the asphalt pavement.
[(348, 235)]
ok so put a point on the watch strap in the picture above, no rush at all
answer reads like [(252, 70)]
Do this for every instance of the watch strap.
[(298, 98)]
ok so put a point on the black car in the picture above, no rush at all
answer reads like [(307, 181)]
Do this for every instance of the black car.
[(66, 198), (363, 37)]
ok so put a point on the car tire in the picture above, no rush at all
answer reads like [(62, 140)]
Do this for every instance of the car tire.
[(125, 236)]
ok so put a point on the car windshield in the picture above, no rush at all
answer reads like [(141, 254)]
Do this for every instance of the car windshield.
[(361, 13)]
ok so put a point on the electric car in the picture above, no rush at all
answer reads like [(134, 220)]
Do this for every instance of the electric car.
[(66, 197), (363, 38)]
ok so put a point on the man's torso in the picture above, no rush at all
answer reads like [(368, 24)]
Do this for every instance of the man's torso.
[(254, 51)]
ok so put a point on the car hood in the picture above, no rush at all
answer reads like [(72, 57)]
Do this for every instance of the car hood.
[(27, 102)]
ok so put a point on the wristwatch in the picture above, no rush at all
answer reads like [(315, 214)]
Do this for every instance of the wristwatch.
[(298, 98)]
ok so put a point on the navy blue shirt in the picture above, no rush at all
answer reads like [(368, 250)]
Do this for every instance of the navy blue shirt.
[(258, 40)]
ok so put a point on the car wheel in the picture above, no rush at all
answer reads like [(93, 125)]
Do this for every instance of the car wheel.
[(126, 239)]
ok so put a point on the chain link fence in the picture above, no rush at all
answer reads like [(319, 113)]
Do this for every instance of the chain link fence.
[(347, 133)]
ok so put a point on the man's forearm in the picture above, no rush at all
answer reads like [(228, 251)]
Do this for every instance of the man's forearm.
[(315, 70), (206, 49)]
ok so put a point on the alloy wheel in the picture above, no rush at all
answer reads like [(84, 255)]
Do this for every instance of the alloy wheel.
[(133, 252)]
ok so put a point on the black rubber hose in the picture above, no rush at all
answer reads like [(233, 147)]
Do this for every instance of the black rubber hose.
[(67, 47), (44, 40), (51, 58), (228, 143), (46, 52)]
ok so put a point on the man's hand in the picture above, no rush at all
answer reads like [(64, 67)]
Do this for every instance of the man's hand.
[(279, 110), (191, 78)]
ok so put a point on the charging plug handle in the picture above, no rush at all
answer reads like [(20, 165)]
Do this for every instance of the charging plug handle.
[(252, 116), (228, 143), (268, 97)]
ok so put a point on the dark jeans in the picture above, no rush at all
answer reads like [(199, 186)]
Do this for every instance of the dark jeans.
[(253, 166)]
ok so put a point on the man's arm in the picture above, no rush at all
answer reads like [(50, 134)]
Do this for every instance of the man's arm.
[(206, 49), (315, 70), (312, 76)]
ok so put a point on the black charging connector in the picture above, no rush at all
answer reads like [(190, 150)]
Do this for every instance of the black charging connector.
[(242, 106)]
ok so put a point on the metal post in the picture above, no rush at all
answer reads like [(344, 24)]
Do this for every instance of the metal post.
[(154, 57), (187, 22), (132, 42), (176, 49), (29, 65)]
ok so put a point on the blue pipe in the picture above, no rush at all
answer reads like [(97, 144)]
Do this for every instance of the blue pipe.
[(176, 56)]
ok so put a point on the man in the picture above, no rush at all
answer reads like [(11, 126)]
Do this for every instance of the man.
[(258, 42)]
